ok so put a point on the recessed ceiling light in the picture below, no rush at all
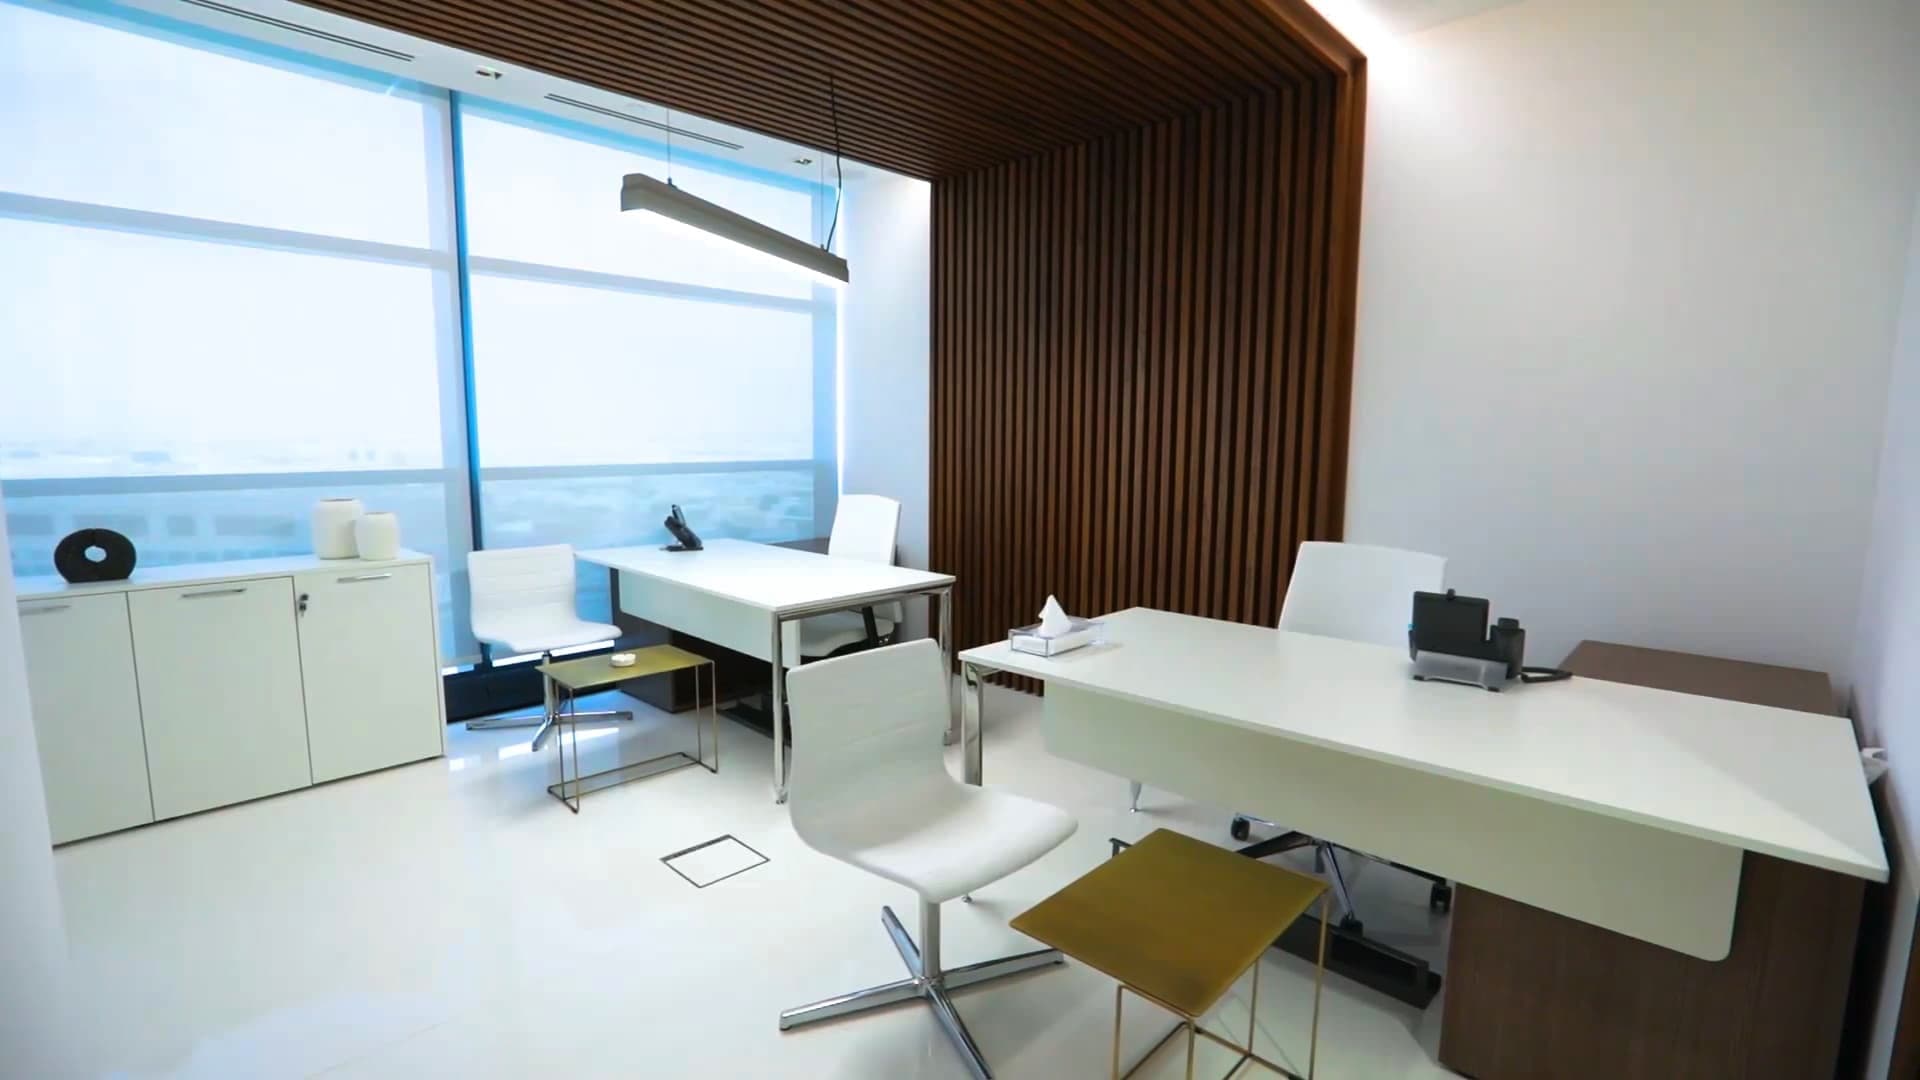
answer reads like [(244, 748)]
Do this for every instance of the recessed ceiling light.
[(487, 72)]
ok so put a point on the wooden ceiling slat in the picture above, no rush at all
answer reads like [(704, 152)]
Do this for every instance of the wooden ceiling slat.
[(869, 73), (1262, 25), (700, 92), (1205, 28), (928, 89), (1145, 46), (793, 101), (1063, 67), (1192, 27)]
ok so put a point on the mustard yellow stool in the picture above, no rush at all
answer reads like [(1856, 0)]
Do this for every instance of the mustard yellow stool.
[(1178, 921)]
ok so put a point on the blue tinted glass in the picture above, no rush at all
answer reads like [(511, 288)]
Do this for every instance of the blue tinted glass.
[(574, 375), (129, 354), (99, 114)]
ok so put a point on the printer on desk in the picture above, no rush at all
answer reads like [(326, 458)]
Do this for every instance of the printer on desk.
[(1450, 642)]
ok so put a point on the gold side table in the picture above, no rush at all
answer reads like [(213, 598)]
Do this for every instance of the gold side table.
[(1178, 921), (568, 679)]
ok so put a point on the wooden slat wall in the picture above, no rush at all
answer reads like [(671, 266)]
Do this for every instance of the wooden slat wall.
[(1141, 361)]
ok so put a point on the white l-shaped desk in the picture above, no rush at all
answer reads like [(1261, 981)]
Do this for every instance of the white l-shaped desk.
[(1622, 806), (749, 597)]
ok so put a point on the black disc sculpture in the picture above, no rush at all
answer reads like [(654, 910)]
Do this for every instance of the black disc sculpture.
[(75, 560)]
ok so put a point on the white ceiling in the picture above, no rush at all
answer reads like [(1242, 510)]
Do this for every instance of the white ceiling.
[(1411, 16)]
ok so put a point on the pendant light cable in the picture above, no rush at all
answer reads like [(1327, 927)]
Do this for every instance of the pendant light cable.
[(839, 178)]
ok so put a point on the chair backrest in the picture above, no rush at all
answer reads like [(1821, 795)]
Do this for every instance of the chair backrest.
[(865, 527), (521, 581), (1358, 592), (867, 733)]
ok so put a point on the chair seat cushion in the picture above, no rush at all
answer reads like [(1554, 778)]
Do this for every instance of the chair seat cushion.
[(941, 839), (822, 634), (540, 633)]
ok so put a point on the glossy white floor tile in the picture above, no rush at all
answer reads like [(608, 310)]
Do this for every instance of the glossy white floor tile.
[(450, 919)]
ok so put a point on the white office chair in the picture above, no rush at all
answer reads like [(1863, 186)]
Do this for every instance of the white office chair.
[(523, 603), (870, 787), (864, 527), (1354, 592)]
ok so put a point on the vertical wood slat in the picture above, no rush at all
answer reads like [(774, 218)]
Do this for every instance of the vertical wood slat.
[(1142, 361)]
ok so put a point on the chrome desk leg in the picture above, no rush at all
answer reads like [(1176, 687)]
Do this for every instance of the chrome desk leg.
[(945, 631), (970, 677), (1324, 852), (777, 698)]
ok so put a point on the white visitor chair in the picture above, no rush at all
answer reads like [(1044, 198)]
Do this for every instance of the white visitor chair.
[(1355, 592), (870, 787), (864, 527), (523, 603)]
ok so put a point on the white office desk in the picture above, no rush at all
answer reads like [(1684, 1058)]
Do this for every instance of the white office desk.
[(1619, 805), (749, 597)]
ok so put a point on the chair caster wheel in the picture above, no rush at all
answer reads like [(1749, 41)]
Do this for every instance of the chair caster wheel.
[(1241, 828), (1440, 898)]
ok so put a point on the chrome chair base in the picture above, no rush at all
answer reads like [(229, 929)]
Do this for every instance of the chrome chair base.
[(552, 724), (926, 982), (491, 722)]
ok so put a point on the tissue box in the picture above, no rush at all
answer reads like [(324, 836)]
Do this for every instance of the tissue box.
[(1027, 639)]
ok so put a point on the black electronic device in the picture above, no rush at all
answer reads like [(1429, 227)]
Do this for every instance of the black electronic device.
[(677, 525), (1450, 642)]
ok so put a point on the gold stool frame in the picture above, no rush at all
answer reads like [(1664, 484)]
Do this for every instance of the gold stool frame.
[(1191, 1024)]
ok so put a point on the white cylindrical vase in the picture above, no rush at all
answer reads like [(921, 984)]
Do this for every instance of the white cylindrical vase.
[(377, 535), (333, 527)]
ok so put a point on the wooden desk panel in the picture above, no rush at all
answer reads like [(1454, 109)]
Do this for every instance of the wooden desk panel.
[(1536, 996)]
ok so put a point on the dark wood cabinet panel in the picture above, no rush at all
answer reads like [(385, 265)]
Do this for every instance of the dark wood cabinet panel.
[(1532, 995)]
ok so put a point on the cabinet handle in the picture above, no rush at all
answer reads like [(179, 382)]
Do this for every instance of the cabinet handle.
[(351, 578), (213, 592), (48, 610)]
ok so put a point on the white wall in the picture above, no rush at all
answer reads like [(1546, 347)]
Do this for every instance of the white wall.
[(884, 353), (1629, 276), (33, 939), (1886, 672)]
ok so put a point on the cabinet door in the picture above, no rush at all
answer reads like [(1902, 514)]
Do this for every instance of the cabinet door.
[(219, 667), (86, 714), (372, 669)]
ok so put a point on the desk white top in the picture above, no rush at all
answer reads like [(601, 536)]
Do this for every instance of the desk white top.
[(160, 577), (1774, 781), (779, 580)]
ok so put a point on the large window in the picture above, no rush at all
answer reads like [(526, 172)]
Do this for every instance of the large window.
[(618, 368), (232, 286), (229, 291)]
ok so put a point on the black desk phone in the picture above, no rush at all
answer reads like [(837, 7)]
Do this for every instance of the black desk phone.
[(677, 525), (1450, 642)]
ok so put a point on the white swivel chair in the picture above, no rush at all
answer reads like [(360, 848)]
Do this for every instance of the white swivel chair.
[(870, 787), (1354, 592), (864, 527), (523, 603)]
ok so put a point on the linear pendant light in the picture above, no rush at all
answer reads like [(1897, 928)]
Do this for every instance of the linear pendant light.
[(638, 191)]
